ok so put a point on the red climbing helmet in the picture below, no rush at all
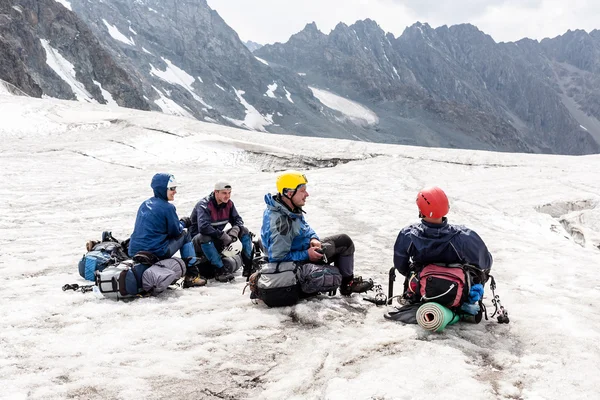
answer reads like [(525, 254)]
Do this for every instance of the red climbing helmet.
[(433, 202)]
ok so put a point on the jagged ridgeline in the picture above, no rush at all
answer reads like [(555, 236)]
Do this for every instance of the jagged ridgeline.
[(448, 87)]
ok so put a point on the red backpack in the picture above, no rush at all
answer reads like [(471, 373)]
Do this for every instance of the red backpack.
[(447, 285)]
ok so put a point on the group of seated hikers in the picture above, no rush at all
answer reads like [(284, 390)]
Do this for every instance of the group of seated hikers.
[(296, 262)]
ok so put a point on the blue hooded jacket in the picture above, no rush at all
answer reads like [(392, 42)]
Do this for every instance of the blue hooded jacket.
[(285, 234), (425, 243), (156, 222)]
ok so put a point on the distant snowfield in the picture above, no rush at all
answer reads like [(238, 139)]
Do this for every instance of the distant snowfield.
[(71, 170), (356, 112)]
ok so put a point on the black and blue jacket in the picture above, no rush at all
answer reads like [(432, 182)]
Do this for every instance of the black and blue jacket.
[(426, 243)]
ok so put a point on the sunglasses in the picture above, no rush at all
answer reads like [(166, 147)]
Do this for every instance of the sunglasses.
[(172, 189)]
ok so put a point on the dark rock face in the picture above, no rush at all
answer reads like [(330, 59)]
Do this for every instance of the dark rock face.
[(445, 87), (460, 87), (181, 51), (28, 25)]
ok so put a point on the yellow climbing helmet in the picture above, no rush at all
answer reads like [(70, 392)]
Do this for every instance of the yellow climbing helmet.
[(290, 180)]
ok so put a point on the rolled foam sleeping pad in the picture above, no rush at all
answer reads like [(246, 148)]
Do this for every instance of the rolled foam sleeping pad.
[(435, 317)]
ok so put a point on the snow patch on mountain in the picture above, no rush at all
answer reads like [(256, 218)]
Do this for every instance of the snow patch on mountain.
[(176, 76), (271, 90), (106, 94), (261, 60), (288, 95), (254, 120), (65, 3), (116, 34), (66, 71), (355, 112), (168, 106)]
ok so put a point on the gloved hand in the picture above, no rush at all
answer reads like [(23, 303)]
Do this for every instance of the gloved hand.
[(225, 239), (476, 293), (186, 222), (234, 232), (472, 309)]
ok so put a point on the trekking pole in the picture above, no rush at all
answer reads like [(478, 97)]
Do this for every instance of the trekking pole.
[(392, 278), (500, 310)]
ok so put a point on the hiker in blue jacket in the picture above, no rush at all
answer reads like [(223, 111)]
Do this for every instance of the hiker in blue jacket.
[(209, 236), (159, 230), (434, 240), (286, 235)]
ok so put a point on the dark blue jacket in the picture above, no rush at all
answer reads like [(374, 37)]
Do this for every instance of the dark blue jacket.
[(425, 243), (156, 222), (210, 218)]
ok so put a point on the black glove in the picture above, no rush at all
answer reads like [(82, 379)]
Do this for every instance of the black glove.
[(234, 232), (186, 221), (225, 239)]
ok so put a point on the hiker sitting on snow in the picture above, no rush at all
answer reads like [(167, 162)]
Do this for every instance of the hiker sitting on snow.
[(286, 236), (208, 221), (159, 231), (435, 241)]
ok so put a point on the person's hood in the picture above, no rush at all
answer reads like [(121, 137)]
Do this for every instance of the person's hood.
[(159, 185), (274, 205), (442, 231)]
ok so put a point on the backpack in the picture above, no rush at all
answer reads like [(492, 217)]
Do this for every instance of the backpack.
[(122, 280), (277, 285), (101, 256), (162, 274), (445, 284), (316, 278)]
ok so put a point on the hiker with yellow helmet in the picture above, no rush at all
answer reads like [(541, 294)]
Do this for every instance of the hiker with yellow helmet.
[(287, 237)]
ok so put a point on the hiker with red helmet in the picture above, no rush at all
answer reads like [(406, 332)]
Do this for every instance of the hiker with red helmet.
[(434, 240), (443, 263)]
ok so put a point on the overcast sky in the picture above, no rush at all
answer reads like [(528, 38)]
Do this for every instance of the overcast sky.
[(269, 21)]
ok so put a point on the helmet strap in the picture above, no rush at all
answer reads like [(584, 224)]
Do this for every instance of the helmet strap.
[(294, 207)]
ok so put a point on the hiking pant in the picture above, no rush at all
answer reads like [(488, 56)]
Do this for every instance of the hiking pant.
[(339, 249), (181, 244), (213, 247)]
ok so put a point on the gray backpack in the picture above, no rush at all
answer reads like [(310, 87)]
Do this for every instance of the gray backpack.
[(127, 279), (315, 278), (162, 274), (277, 285), (111, 281)]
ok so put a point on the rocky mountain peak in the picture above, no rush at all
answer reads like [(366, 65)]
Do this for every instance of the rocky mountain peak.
[(463, 87), (57, 54), (309, 34)]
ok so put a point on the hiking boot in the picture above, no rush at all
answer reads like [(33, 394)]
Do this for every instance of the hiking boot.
[(223, 275), (355, 284), (193, 281)]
